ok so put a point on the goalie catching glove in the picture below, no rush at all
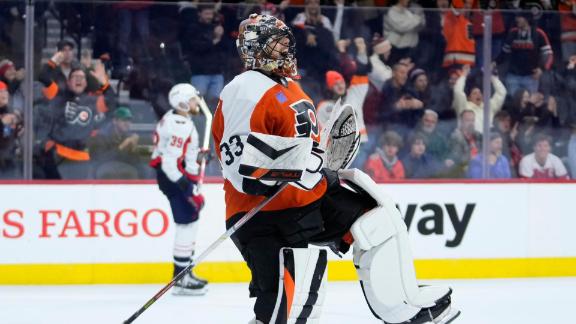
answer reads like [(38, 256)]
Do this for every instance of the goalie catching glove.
[(340, 137), (270, 158)]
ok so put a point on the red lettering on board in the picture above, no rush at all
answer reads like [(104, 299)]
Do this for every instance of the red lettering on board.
[(13, 223)]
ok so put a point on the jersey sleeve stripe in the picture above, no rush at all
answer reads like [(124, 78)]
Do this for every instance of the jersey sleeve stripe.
[(218, 128)]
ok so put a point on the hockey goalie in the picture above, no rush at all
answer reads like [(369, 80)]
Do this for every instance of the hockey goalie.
[(266, 134)]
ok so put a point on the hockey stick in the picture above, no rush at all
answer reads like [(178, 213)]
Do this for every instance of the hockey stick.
[(206, 140), (202, 256)]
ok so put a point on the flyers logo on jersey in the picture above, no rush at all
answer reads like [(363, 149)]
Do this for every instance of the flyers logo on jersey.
[(305, 124)]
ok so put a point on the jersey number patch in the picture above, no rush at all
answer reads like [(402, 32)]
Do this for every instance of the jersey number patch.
[(235, 143), (177, 141), (306, 124)]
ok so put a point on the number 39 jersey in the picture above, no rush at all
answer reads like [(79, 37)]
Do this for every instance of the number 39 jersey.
[(253, 102), (176, 146)]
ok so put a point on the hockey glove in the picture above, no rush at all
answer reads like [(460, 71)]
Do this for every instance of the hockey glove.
[(197, 201), (195, 198), (204, 154)]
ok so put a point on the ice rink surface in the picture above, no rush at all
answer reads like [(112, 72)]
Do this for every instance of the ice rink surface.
[(516, 301)]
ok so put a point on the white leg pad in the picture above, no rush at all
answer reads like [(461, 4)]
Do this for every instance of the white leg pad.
[(382, 284), (302, 286), (383, 258)]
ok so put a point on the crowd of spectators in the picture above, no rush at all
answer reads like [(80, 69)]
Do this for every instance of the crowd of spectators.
[(412, 69)]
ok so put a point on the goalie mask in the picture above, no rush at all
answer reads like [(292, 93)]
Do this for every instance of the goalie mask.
[(266, 43)]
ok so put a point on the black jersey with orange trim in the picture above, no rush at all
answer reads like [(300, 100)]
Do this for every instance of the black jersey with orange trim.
[(74, 117), (254, 102)]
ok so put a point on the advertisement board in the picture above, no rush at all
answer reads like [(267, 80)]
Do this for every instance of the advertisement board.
[(470, 228)]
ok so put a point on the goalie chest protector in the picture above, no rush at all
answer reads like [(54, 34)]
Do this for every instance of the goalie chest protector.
[(253, 102)]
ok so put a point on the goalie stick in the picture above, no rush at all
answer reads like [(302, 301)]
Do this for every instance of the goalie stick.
[(341, 128), (209, 250)]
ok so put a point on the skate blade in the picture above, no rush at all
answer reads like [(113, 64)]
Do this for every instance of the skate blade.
[(177, 291), (452, 314)]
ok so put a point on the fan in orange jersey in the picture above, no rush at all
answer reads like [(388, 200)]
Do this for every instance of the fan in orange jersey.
[(265, 133), (460, 45)]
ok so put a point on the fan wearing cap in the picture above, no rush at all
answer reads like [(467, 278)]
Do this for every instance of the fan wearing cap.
[(420, 85), (354, 93), (175, 156), (113, 149), (75, 113)]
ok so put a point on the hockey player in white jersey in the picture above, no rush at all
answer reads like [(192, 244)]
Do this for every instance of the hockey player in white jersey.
[(175, 159), (266, 134)]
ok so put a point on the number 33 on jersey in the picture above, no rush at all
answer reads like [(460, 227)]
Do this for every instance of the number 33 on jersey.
[(253, 102)]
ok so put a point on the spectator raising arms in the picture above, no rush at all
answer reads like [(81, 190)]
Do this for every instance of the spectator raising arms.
[(76, 114), (541, 164), (384, 164), (473, 98)]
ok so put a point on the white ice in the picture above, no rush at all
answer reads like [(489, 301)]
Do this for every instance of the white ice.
[(516, 301)]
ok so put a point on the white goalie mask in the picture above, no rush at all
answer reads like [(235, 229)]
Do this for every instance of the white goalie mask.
[(180, 96)]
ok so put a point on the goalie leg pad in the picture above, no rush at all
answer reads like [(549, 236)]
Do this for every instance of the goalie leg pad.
[(378, 263), (383, 258), (302, 286)]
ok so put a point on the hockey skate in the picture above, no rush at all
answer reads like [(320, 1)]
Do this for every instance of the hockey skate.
[(199, 279), (189, 285), (441, 313)]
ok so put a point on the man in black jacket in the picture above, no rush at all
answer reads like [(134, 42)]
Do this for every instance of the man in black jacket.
[(204, 45)]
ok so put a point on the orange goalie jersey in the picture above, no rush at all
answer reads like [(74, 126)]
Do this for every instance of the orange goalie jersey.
[(253, 102)]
